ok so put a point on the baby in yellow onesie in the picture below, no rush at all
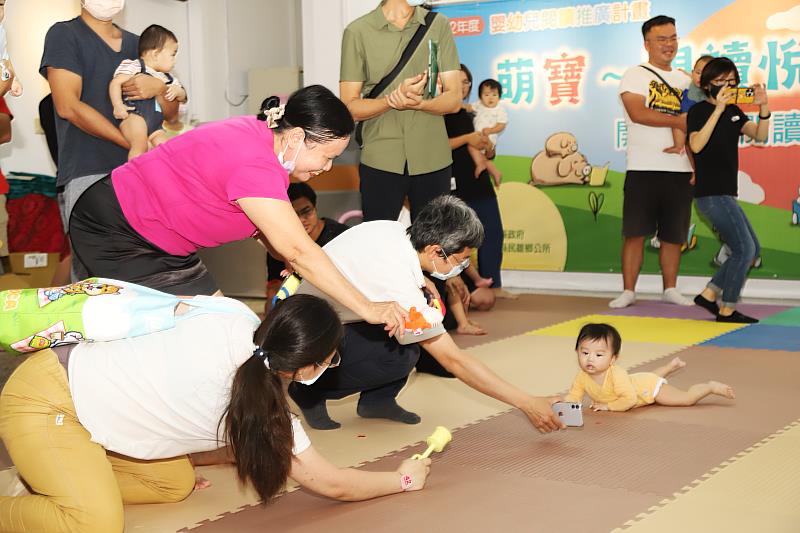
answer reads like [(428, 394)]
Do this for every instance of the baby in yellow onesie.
[(611, 388)]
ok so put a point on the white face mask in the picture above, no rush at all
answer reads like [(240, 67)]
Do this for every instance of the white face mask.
[(289, 165), (455, 271), (312, 380), (415, 3), (103, 9)]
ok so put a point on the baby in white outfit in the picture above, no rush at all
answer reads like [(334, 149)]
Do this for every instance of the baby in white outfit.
[(490, 119)]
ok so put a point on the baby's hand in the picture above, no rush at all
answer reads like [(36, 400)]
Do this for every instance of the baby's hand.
[(599, 407), (16, 87), (173, 91), (120, 112)]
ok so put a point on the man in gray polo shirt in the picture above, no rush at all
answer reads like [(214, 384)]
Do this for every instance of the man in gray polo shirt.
[(79, 59)]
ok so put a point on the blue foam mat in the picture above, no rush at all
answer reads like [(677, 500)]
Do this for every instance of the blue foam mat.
[(761, 337)]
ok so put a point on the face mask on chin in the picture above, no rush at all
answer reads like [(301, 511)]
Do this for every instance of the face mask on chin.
[(415, 3), (312, 380), (289, 165), (104, 10)]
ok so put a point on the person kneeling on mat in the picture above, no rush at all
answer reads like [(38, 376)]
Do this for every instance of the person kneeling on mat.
[(385, 261), (93, 426)]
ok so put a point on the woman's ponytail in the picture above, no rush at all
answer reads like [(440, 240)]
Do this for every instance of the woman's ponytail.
[(258, 427)]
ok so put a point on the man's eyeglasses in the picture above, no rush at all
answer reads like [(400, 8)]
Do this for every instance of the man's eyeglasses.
[(463, 264), (305, 212), (335, 361), (665, 40)]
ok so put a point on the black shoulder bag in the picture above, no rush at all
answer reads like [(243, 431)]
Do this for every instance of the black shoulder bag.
[(411, 47), (674, 91)]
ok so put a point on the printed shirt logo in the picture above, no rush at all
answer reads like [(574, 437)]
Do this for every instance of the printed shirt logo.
[(660, 98)]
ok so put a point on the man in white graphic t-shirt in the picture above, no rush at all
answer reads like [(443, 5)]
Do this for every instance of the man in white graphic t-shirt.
[(658, 193)]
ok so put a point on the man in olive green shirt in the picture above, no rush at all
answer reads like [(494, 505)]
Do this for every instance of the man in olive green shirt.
[(406, 149)]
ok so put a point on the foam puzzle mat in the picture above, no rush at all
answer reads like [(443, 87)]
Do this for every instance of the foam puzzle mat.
[(726, 463)]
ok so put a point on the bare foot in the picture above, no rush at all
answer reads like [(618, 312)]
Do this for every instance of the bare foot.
[(721, 389), (497, 176), (502, 293), (479, 168), (200, 482), (484, 282), (674, 150), (470, 328), (676, 364)]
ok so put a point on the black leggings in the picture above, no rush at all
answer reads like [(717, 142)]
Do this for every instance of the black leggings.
[(104, 241)]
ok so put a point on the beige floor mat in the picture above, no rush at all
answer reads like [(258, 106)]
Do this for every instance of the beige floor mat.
[(548, 368)]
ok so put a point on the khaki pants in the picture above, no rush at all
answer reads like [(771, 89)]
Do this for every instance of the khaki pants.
[(77, 486)]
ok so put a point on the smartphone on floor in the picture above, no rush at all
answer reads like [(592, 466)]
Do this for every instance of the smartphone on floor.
[(570, 413)]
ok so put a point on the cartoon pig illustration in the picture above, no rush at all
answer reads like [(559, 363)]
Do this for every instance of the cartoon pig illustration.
[(561, 144), (573, 168)]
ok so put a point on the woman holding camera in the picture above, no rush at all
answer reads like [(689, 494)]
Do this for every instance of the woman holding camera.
[(714, 127)]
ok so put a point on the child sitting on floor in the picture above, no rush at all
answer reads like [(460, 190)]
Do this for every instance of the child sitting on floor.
[(611, 388), (142, 119)]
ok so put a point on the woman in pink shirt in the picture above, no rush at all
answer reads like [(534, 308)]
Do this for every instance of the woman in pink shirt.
[(219, 183)]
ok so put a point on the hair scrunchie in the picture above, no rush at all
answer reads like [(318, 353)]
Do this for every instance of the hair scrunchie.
[(273, 115), (261, 354)]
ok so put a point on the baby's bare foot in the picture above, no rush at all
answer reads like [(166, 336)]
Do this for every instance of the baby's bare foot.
[(479, 168), (721, 389), (673, 150), (676, 364), (200, 482)]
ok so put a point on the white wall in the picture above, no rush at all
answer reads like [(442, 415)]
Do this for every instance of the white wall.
[(324, 22), (26, 25), (219, 41)]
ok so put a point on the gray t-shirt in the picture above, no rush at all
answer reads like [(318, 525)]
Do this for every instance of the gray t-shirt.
[(72, 45)]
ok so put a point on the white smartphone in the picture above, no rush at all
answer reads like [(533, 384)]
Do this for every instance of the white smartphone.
[(570, 413)]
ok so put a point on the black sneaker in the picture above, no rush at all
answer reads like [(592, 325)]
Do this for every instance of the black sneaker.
[(737, 318), (711, 307)]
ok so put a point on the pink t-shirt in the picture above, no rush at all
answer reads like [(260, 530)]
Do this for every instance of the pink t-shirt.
[(182, 195)]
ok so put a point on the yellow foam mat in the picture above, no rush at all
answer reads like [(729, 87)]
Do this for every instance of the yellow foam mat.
[(541, 365), (757, 490), (645, 329)]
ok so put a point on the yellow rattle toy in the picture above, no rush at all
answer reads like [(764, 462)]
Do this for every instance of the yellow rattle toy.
[(436, 442)]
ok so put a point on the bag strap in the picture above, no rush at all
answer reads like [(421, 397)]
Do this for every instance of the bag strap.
[(409, 50), (674, 91)]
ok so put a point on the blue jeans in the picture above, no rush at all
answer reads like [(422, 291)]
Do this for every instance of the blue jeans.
[(490, 253), (728, 219)]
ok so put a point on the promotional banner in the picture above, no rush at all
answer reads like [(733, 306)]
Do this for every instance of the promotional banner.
[(559, 64)]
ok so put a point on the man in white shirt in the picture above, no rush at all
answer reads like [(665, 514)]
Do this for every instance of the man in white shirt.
[(658, 192), (385, 262)]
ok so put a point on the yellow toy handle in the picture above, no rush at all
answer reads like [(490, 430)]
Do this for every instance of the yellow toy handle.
[(436, 442)]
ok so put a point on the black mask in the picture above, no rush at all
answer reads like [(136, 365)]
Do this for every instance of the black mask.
[(713, 90)]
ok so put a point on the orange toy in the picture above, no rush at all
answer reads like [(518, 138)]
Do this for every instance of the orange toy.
[(416, 322)]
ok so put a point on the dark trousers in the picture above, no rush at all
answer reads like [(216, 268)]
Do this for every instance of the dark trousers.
[(373, 364), (382, 193), (490, 254)]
